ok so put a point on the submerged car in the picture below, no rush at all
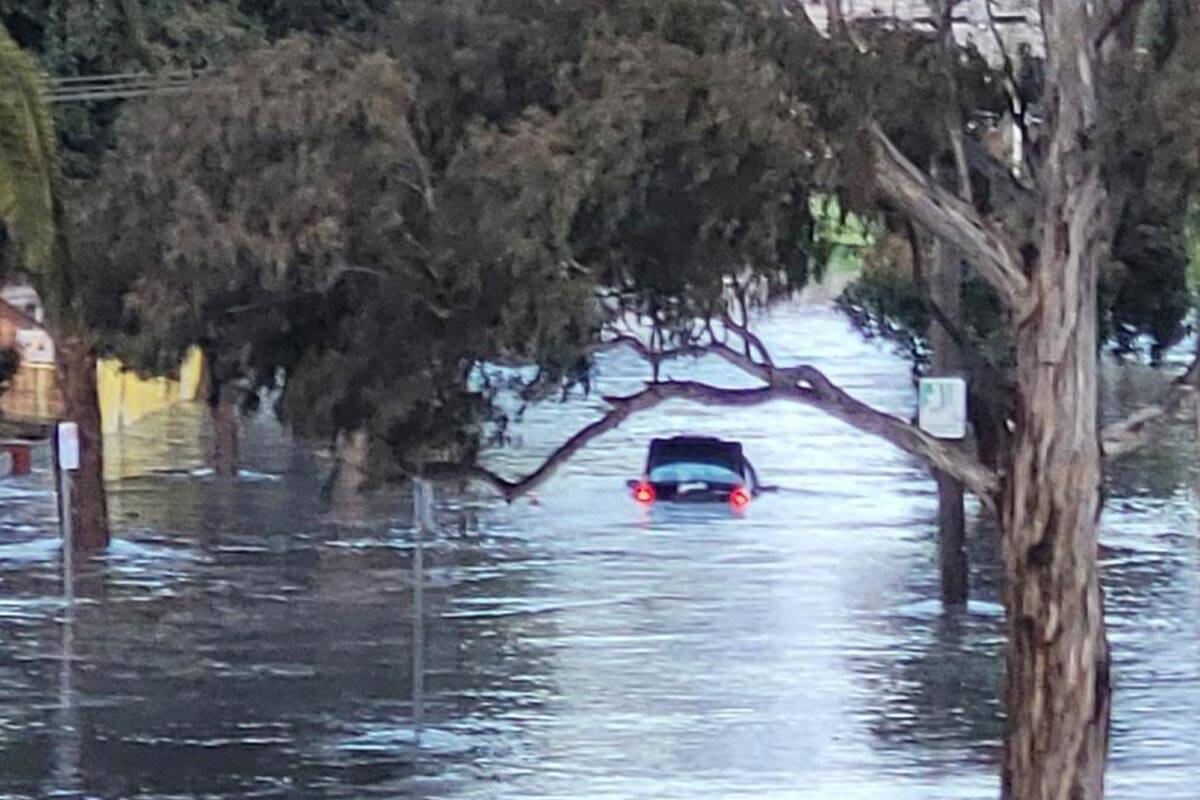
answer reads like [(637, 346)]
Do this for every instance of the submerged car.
[(696, 469)]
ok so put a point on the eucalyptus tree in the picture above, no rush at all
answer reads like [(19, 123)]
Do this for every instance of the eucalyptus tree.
[(1143, 295), (291, 224)]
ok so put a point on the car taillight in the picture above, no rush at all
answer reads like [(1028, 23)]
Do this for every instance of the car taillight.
[(739, 498), (644, 493)]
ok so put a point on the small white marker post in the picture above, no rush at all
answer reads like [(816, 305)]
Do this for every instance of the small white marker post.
[(67, 447), (67, 757), (942, 407)]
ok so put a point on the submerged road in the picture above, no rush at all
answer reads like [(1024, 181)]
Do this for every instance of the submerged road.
[(238, 640)]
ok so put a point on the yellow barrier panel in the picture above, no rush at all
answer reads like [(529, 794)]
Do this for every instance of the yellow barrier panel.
[(125, 398)]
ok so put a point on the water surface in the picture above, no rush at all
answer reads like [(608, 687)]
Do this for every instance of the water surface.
[(239, 639)]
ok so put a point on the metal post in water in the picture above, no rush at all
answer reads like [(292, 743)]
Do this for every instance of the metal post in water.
[(66, 458), (68, 545), (422, 523), (67, 752)]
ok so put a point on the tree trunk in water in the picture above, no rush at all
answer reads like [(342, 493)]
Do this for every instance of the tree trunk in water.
[(81, 405), (952, 549), (350, 465), (1057, 689), (223, 410)]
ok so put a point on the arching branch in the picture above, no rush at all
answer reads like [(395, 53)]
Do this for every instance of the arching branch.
[(811, 387), (952, 220), (1127, 435)]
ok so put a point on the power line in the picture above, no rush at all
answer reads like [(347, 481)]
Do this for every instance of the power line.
[(119, 86), (128, 85)]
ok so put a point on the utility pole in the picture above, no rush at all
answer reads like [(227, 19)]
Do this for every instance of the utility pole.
[(945, 291)]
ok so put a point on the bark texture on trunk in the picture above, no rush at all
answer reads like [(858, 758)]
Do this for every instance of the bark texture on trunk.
[(222, 408), (81, 404), (1057, 682)]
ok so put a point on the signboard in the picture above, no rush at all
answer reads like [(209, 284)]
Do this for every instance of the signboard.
[(68, 445), (942, 411)]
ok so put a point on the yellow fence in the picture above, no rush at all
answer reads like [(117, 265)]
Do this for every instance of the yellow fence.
[(124, 397)]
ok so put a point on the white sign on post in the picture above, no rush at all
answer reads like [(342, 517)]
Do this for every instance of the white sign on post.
[(942, 411), (68, 445)]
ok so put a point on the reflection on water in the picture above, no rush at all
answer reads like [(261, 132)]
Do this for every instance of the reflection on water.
[(239, 640)]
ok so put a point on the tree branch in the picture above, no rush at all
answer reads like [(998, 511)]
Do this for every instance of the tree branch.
[(1127, 435), (1017, 101), (812, 388), (823, 394), (752, 341), (1116, 15), (947, 217)]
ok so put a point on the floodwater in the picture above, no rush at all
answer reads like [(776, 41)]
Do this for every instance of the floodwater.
[(240, 640)]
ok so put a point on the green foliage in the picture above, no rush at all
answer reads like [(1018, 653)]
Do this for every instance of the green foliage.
[(884, 303), (279, 18), (362, 231), (1152, 136), (1192, 237), (701, 169), (288, 222), (27, 162), (79, 38)]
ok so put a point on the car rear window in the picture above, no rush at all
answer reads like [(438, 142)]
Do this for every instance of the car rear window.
[(695, 451), (687, 472)]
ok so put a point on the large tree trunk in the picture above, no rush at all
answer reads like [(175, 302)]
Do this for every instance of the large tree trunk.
[(222, 408), (81, 404), (952, 540), (1057, 684)]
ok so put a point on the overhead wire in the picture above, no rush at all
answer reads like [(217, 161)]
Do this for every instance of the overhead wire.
[(119, 86)]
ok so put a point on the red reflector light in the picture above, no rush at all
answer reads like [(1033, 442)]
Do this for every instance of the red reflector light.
[(644, 493), (739, 498)]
